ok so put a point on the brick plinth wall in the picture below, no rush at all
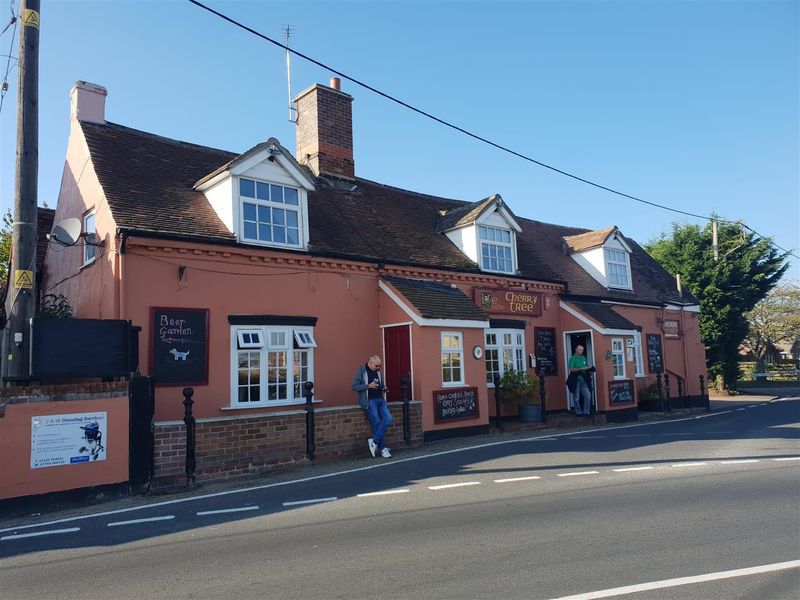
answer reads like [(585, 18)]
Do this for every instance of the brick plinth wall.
[(234, 446)]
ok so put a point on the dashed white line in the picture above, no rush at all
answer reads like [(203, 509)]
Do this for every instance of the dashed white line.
[(626, 469), (512, 479), (38, 533), (453, 485), (741, 409), (738, 462), (576, 473), (310, 501), (383, 493), (689, 464), (135, 521), (225, 510), (788, 458)]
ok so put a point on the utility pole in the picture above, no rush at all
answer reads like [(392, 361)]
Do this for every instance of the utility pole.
[(21, 295)]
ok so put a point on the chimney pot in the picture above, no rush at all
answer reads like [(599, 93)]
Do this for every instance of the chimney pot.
[(336, 83)]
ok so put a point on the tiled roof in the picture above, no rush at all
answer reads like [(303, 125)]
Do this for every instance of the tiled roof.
[(464, 215), (149, 183), (437, 300), (590, 239), (603, 314)]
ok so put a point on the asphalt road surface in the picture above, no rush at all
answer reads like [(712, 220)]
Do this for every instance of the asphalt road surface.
[(703, 507)]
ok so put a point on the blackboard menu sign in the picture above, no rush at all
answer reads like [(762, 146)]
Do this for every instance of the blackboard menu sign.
[(179, 346), (620, 392), (545, 350), (455, 405), (655, 360)]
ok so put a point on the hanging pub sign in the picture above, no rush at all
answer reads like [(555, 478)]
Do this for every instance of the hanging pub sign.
[(455, 405), (179, 346), (655, 361), (545, 338), (515, 302), (671, 328)]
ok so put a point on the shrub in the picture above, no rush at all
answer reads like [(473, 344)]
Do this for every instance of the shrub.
[(520, 388)]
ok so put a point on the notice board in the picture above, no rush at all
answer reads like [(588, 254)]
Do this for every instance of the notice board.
[(455, 405), (179, 346), (546, 350), (620, 392), (655, 355)]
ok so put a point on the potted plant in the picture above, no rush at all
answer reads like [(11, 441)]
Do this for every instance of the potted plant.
[(523, 390)]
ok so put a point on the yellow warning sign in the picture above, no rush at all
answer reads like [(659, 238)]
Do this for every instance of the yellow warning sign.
[(23, 279), (30, 18)]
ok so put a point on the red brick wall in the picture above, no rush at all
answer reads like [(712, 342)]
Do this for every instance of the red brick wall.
[(325, 131), (232, 447)]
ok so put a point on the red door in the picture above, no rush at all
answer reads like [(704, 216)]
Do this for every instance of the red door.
[(397, 361)]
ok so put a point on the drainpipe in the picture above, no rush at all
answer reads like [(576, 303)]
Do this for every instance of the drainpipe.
[(123, 242)]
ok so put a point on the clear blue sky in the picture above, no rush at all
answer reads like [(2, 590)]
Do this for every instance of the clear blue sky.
[(691, 104)]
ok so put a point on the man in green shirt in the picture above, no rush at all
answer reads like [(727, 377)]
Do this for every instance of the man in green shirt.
[(579, 390)]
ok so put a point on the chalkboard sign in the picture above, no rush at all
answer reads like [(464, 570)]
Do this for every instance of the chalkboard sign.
[(620, 392), (546, 350), (455, 405), (655, 361), (179, 346)]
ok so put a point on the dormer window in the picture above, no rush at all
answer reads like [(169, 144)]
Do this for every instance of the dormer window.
[(618, 268), (270, 213), (496, 249)]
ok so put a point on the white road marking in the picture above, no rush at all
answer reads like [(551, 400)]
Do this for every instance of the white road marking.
[(383, 493), (38, 533), (666, 583), (632, 435), (135, 521), (588, 437), (632, 469), (689, 464), (453, 485), (576, 473), (511, 479), (738, 462), (225, 510), (311, 501), (788, 458), (741, 409)]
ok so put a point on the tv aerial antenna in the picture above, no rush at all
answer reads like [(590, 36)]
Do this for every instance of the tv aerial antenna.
[(287, 35)]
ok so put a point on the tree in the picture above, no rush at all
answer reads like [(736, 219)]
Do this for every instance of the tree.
[(747, 269), (774, 319)]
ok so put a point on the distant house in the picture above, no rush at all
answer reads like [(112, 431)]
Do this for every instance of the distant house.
[(254, 273)]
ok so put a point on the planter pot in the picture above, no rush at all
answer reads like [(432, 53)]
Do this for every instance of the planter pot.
[(530, 413)]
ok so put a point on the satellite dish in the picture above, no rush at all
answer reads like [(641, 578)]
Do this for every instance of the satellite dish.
[(67, 231)]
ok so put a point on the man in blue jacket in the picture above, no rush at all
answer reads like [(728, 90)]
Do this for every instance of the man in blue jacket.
[(368, 385)]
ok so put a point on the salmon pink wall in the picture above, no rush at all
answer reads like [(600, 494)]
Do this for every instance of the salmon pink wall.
[(18, 479)]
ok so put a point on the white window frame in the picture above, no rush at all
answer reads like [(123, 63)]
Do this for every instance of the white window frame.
[(286, 346), (298, 209), (517, 347), (452, 352), (618, 353), (499, 244), (258, 342), (304, 338), (625, 264), (638, 358), (89, 238)]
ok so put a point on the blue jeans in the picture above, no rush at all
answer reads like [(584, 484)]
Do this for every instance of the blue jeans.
[(583, 396), (380, 418)]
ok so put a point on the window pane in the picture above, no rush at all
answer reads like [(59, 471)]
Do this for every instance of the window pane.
[(277, 193), (290, 196), (278, 216), (263, 214), (291, 218), (279, 235), (265, 233), (250, 230), (292, 236), (262, 191), (249, 211), (247, 187)]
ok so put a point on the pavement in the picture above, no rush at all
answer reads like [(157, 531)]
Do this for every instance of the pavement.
[(25, 511)]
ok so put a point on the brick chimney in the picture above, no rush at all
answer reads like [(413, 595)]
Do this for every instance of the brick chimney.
[(325, 130), (88, 102)]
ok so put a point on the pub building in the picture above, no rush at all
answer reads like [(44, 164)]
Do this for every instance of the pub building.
[(252, 274)]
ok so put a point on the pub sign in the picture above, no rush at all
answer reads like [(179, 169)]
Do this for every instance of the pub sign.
[(514, 302)]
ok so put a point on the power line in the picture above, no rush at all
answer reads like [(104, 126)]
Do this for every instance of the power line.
[(4, 84), (461, 129)]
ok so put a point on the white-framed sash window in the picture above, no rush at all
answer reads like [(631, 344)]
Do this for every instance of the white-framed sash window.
[(505, 351), (618, 268), (618, 358), (496, 249), (270, 213), (637, 354), (452, 358), (270, 365)]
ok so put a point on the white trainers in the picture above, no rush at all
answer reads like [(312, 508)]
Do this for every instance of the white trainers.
[(373, 447), (385, 453)]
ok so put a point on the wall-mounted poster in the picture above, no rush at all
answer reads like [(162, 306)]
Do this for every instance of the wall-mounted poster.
[(454, 405), (179, 346), (546, 350), (68, 439), (655, 360)]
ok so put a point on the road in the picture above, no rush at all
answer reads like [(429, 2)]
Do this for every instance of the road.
[(678, 508)]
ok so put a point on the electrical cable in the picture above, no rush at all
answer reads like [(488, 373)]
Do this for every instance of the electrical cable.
[(456, 127), (4, 85)]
